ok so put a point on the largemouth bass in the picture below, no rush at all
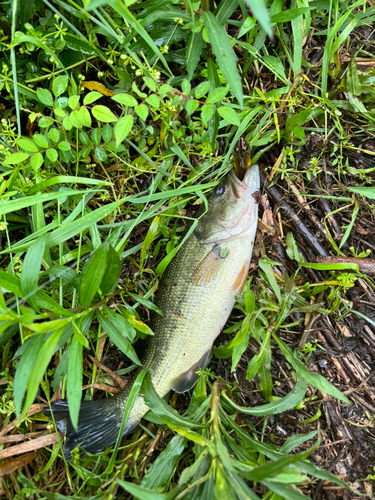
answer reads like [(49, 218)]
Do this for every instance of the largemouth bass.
[(196, 294)]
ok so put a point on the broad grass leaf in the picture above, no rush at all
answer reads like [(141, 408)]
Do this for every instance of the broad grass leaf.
[(224, 54), (10, 283), (40, 366), (259, 9), (74, 381), (145, 303), (229, 115), (193, 52), (150, 236), (289, 491), (77, 331), (163, 410), (31, 269), (112, 270), (118, 338), (368, 192), (103, 114), (121, 9), (139, 492), (160, 471), (65, 179), (275, 407), (59, 85), (49, 326), (296, 440), (92, 275), (122, 128), (275, 467), (289, 15), (24, 368), (267, 269), (72, 228), (121, 323), (311, 378), (133, 395)]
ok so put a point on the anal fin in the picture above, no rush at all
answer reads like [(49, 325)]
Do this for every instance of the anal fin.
[(188, 379)]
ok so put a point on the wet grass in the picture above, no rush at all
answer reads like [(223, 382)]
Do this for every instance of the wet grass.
[(115, 123)]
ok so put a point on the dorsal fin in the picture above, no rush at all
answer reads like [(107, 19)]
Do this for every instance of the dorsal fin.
[(188, 379), (209, 267)]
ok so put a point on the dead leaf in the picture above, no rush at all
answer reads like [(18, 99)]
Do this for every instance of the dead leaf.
[(99, 87), (16, 463), (32, 445)]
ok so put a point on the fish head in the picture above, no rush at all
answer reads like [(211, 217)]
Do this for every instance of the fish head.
[(232, 208)]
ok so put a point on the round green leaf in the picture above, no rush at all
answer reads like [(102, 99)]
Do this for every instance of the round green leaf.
[(216, 95), (36, 161), (100, 154), (64, 146), (73, 101), (103, 114), (15, 158), (202, 89), (107, 133), (54, 134), (52, 154), (141, 111), (207, 113), (27, 145), (59, 85), (125, 99), (45, 122), (229, 115), (41, 140), (91, 97), (153, 101), (122, 128), (44, 96), (96, 136), (84, 117), (191, 106)]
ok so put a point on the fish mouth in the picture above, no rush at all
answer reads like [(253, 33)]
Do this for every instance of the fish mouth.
[(247, 187)]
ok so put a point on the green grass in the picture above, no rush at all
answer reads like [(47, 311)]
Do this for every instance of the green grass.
[(111, 117)]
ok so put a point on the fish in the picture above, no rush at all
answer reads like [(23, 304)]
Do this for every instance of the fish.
[(196, 295)]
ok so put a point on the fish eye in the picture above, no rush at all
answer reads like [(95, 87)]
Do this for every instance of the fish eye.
[(219, 190)]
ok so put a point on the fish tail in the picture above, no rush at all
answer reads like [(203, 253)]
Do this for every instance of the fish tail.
[(98, 424)]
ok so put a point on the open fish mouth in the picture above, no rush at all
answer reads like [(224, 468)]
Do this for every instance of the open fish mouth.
[(248, 186)]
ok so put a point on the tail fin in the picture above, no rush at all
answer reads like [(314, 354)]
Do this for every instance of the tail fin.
[(98, 425)]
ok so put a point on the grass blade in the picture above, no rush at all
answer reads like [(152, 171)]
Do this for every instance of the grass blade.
[(74, 382), (224, 53)]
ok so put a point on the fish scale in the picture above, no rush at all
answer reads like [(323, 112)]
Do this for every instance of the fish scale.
[(196, 295)]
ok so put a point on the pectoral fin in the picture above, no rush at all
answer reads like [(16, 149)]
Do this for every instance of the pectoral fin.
[(188, 379), (208, 268)]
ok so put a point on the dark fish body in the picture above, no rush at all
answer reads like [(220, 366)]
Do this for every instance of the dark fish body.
[(196, 294)]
